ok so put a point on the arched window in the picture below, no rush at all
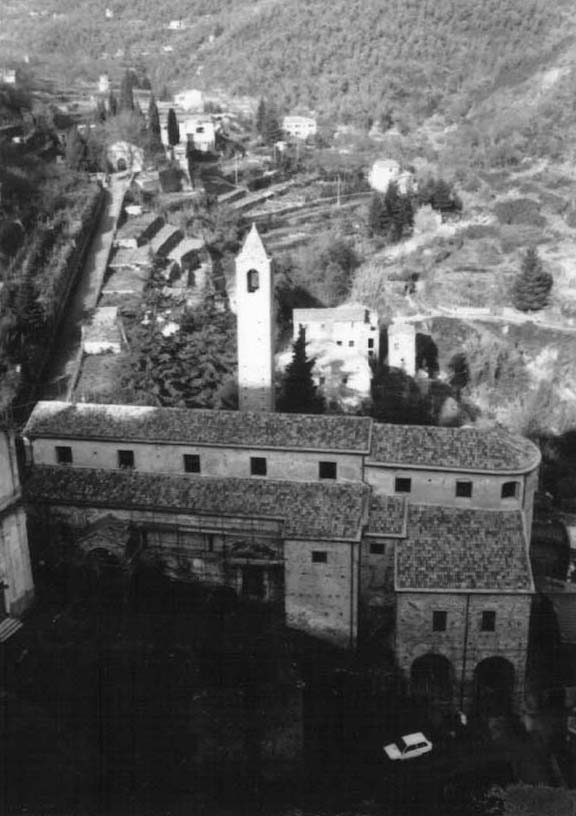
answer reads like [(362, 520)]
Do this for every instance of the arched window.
[(253, 280)]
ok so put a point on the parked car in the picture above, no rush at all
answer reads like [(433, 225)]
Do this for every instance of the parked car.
[(408, 746)]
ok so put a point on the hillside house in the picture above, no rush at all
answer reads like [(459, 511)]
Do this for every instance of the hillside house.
[(350, 326), (199, 132), (299, 127), (190, 100), (341, 523)]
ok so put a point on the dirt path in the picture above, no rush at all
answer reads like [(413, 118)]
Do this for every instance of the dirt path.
[(67, 347)]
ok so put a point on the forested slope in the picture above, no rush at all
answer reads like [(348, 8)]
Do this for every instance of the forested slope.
[(345, 58)]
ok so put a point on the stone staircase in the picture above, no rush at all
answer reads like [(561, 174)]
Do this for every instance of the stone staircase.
[(8, 627)]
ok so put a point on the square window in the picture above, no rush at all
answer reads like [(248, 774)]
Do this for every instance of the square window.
[(191, 463), (439, 621), (319, 557), (488, 623), (327, 470), (63, 455), (351, 343), (257, 466), (464, 490), (403, 485), (126, 459), (376, 549), (509, 490), (338, 342)]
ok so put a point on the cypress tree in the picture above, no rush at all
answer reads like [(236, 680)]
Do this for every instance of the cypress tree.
[(299, 394), (261, 117), (126, 95), (531, 289), (376, 214), (76, 152), (154, 128), (173, 128), (394, 213), (112, 104)]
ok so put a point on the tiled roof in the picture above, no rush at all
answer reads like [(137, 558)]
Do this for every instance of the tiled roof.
[(197, 427), (137, 224), (167, 234), (308, 509), (339, 314), (463, 549), (387, 516), (124, 256), (458, 448)]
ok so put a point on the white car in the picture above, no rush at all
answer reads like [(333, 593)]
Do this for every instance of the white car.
[(408, 746)]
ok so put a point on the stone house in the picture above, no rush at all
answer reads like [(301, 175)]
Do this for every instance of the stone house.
[(299, 127), (351, 326), (408, 537)]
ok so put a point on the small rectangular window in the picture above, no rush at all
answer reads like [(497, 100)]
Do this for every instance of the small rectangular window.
[(258, 466), (327, 470), (376, 549), (191, 463), (488, 623), (351, 343), (338, 342), (370, 342), (63, 455), (126, 459), (510, 490), (464, 490), (403, 485), (439, 621), (319, 557)]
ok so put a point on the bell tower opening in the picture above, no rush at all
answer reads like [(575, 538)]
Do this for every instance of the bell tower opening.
[(253, 280)]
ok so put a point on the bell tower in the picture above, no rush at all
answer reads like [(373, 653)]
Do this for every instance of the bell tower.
[(255, 316)]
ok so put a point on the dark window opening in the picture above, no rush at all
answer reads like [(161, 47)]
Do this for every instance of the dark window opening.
[(464, 490), (126, 459), (253, 582), (327, 470), (371, 342), (439, 621), (403, 485), (319, 557), (63, 455), (377, 549), (191, 463), (351, 343), (338, 342), (253, 280), (488, 623), (509, 490), (258, 466)]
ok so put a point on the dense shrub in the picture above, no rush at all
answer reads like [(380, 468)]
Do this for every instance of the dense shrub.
[(523, 211)]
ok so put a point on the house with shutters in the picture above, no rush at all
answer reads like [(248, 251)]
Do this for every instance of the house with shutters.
[(405, 537)]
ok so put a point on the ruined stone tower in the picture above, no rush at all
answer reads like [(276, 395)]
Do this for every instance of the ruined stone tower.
[(255, 315)]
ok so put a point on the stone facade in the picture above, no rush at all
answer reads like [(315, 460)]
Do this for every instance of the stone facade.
[(16, 583), (337, 520)]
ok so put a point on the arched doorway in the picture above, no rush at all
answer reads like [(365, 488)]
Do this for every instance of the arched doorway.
[(494, 686), (432, 679)]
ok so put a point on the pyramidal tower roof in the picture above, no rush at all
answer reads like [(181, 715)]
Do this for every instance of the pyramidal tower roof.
[(253, 247)]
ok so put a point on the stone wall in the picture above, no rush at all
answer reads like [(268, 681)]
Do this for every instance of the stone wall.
[(321, 595), (216, 461), (463, 642), (15, 569)]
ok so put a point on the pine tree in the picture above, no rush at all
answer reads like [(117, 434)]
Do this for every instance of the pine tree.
[(173, 128), (531, 289), (126, 95), (299, 394)]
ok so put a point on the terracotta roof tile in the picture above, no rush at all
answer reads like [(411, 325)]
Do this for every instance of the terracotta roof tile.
[(308, 509), (182, 426), (459, 448), (387, 516), (464, 549)]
